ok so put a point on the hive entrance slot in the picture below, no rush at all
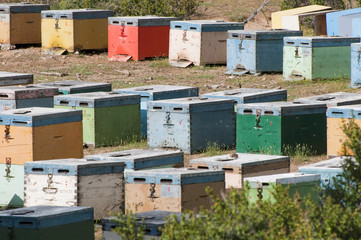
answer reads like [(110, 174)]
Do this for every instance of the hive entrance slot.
[(19, 122), (247, 111), (290, 43), (177, 109), (3, 95), (129, 23), (63, 171), (340, 113), (62, 102), (115, 22), (177, 26), (83, 104), (265, 184), (37, 169), (139, 179), (25, 223), (145, 97), (202, 167), (157, 108), (49, 16), (166, 181), (193, 28), (268, 112), (227, 169)]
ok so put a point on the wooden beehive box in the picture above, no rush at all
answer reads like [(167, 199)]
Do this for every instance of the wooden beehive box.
[(9, 78), (355, 64), (332, 99), (171, 189), (333, 23), (47, 222), (76, 182), (11, 185), (241, 165), (75, 86), (32, 134)]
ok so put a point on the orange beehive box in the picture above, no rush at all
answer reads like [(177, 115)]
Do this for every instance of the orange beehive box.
[(31, 134), (138, 37)]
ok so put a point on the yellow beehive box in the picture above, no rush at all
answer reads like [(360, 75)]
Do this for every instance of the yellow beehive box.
[(20, 23), (277, 16), (73, 30), (31, 134)]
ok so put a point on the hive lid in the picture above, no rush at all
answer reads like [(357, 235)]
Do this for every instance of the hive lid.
[(141, 21), (319, 41), (77, 14), (332, 99), (40, 217), (284, 178), (206, 25), (346, 112), (22, 8), (356, 47), (331, 164), (264, 34), (76, 85), (26, 92)]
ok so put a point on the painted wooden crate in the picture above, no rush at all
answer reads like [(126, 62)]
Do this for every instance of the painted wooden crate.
[(109, 118), (32, 134), (153, 221), (9, 78), (300, 183), (356, 64), (328, 170), (74, 29), (12, 185), (336, 118), (171, 189), (272, 128), (138, 37), (332, 99), (256, 50), (14, 97), (199, 42), (47, 222), (76, 182), (137, 159), (332, 19), (317, 57), (20, 23), (157, 92), (191, 124), (75, 86), (241, 165), (345, 24)]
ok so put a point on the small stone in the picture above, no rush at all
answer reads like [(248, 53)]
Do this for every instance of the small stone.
[(215, 87)]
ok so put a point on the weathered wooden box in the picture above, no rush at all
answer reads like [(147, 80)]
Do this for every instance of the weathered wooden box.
[(138, 37), (199, 42), (9, 78), (75, 86), (191, 124), (74, 29), (14, 97), (272, 128), (137, 159), (317, 57), (11, 185), (157, 92), (47, 222), (109, 118), (332, 99), (20, 23), (153, 221), (32, 134), (355, 64), (241, 165), (76, 182), (171, 189), (332, 20), (256, 50)]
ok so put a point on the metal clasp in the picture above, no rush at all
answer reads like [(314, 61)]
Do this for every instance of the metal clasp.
[(152, 192), (7, 169), (57, 24), (7, 133), (258, 117), (259, 191)]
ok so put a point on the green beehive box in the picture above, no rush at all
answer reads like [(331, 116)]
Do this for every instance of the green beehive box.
[(276, 127), (11, 185), (301, 183), (317, 57), (109, 118)]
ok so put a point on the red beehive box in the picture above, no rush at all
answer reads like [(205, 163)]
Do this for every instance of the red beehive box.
[(138, 37)]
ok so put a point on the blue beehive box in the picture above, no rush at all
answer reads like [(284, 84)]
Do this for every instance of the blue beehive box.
[(356, 26), (191, 124), (332, 99), (137, 159), (256, 50), (8, 78), (328, 170), (75, 182), (356, 64), (345, 24), (153, 222), (47, 222), (157, 92), (332, 20), (76, 86)]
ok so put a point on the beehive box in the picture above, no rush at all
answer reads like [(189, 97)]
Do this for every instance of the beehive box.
[(199, 42), (191, 124), (332, 99), (355, 64), (317, 57), (345, 24), (12, 185), (138, 37), (300, 183), (241, 165), (75, 182), (157, 92), (109, 118), (171, 189), (256, 50), (20, 23), (74, 29), (14, 97), (75, 86), (356, 28), (9, 78), (328, 170), (336, 118), (275, 127), (332, 19), (46, 222), (153, 221), (137, 159), (32, 134)]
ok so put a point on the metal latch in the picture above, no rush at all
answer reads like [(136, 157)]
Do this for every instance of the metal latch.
[(152, 192), (57, 24), (7, 169), (258, 117), (259, 191), (7, 133), (50, 189)]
